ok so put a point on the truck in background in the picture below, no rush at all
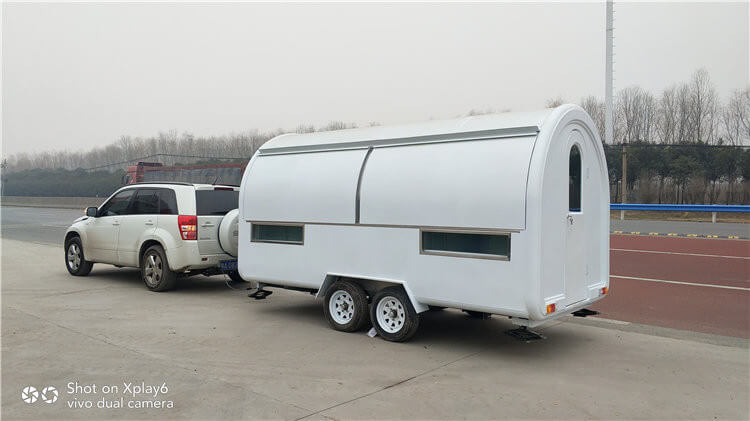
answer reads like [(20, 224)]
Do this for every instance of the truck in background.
[(144, 172)]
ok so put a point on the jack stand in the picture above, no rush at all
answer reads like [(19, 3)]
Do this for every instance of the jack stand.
[(524, 334), (478, 314), (260, 293), (585, 312)]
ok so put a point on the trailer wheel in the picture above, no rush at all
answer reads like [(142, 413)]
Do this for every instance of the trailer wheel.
[(346, 306), (393, 316)]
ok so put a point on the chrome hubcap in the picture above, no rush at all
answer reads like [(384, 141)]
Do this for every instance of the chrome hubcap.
[(153, 270), (391, 314), (341, 307), (74, 257)]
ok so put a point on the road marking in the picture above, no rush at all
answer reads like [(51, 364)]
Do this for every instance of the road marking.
[(681, 254), (679, 235), (613, 321), (680, 283)]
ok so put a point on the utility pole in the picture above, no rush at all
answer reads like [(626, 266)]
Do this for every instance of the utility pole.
[(609, 100)]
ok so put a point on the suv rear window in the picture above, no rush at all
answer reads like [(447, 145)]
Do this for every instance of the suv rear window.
[(216, 202)]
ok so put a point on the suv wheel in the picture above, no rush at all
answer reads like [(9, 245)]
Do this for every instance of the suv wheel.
[(74, 259), (155, 270)]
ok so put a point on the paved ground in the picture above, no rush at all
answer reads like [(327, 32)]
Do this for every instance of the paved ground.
[(682, 228), (223, 356)]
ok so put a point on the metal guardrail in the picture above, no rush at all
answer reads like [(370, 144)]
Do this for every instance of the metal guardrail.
[(679, 208), (714, 209)]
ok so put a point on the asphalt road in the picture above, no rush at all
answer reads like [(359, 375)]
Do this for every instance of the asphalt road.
[(221, 355), (40, 225), (685, 228)]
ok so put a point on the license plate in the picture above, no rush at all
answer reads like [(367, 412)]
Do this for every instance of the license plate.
[(228, 265)]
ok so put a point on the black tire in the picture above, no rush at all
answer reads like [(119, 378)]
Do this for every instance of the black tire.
[(406, 321), (235, 276), (349, 306), (155, 272), (78, 266)]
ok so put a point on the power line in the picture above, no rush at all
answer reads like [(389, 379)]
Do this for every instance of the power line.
[(158, 155)]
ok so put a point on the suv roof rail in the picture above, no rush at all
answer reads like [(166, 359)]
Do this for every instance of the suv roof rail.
[(180, 183)]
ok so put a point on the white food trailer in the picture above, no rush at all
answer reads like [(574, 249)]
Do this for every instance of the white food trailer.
[(503, 214)]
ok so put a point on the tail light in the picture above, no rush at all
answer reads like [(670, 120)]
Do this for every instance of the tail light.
[(551, 308), (604, 290), (188, 225)]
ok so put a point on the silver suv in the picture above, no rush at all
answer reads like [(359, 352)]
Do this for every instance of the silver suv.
[(165, 229)]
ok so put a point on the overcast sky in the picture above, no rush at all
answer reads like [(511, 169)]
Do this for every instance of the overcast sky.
[(81, 75)]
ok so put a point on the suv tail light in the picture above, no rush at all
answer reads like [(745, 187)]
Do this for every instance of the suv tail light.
[(188, 225)]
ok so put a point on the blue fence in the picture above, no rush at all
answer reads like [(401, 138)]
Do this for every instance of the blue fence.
[(679, 208)]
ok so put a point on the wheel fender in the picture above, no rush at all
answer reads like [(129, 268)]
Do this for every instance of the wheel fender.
[(168, 243), (81, 234), (333, 277)]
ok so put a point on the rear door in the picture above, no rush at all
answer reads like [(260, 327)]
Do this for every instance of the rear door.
[(168, 211), (211, 205), (140, 221), (575, 247)]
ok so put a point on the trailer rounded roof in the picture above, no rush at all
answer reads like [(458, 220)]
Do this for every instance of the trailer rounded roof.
[(476, 172), (491, 125)]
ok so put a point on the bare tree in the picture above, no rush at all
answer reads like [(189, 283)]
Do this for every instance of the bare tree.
[(636, 113), (736, 118), (595, 109), (703, 107), (555, 102)]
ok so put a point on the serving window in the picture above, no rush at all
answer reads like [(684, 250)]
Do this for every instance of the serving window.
[(466, 244), (277, 233)]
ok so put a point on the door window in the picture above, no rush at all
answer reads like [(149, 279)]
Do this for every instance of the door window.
[(574, 180), (118, 204), (146, 202)]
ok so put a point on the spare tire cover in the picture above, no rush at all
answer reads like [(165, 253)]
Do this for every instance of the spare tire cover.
[(228, 232)]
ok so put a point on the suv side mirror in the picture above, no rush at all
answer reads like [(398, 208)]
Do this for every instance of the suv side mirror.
[(91, 211)]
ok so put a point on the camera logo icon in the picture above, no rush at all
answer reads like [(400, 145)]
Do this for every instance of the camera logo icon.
[(30, 394)]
